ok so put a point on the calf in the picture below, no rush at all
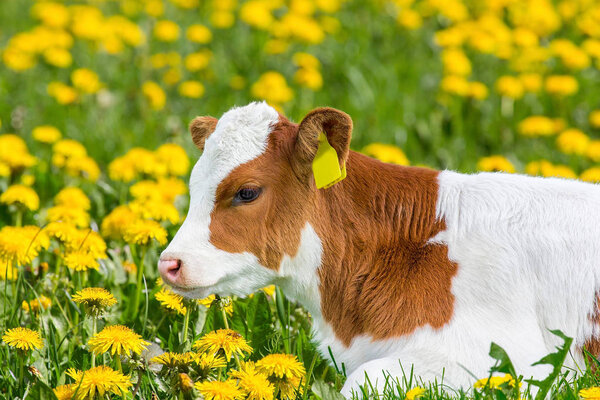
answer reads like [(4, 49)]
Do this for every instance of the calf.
[(400, 267)]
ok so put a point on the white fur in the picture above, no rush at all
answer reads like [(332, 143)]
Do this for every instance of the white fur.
[(240, 136)]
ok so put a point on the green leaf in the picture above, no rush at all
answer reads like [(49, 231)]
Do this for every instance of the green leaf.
[(323, 391), (557, 360)]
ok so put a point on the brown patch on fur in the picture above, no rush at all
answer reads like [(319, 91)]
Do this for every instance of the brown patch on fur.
[(201, 128), (379, 275)]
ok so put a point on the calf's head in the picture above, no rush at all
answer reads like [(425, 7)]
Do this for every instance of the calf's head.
[(251, 194)]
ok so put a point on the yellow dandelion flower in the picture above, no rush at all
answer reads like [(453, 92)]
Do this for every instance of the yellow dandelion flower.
[(117, 339), (495, 163), (174, 360), (99, 381), (142, 232), (69, 215), (166, 31), (122, 169), (456, 85), (561, 85), (281, 366), (86, 80), (67, 148), (594, 119), (72, 197), (593, 150), (46, 134), (510, 86), (155, 95), (22, 245), (272, 87), (36, 305), (198, 34), (217, 390), (537, 125), (94, 297), (285, 372), (195, 62), (227, 340), (269, 290), (87, 241), (207, 362), (225, 303), (532, 82), (591, 175), (592, 393), (115, 223), (21, 195), (58, 57), (494, 382), (171, 301), (23, 339), (386, 153), (81, 260), (65, 392), (63, 94), (415, 393), (175, 158), (572, 141), (255, 385), (191, 89)]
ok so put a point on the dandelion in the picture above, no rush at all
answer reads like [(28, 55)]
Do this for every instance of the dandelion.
[(117, 339), (572, 141), (142, 232), (117, 221), (198, 61), (174, 360), (255, 385), (272, 87), (72, 197), (46, 134), (21, 244), (171, 301), (494, 382), (415, 393), (231, 342), (561, 85), (191, 89), (185, 383), (198, 34), (495, 163), (594, 119), (36, 305), (81, 260), (69, 215), (593, 150), (592, 393), (284, 371), (217, 390), (155, 95), (510, 86), (591, 175), (21, 196), (23, 339), (175, 159), (207, 362), (62, 93), (65, 392), (99, 381), (94, 299), (537, 125), (166, 31), (386, 153), (86, 80), (456, 85)]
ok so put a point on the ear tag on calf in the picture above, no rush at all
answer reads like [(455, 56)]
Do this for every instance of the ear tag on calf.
[(326, 166)]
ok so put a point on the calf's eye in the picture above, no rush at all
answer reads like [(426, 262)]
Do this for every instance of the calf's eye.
[(246, 195)]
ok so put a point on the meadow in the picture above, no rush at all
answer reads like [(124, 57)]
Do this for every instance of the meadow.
[(95, 98)]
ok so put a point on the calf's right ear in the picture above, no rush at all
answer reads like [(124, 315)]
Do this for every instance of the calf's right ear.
[(201, 128)]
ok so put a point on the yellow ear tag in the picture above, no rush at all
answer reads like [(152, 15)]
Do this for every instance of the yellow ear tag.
[(326, 166)]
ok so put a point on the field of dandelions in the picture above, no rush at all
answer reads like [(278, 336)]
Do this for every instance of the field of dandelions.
[(95, 97)]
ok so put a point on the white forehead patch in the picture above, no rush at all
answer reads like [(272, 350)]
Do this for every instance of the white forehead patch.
[(241, 135)]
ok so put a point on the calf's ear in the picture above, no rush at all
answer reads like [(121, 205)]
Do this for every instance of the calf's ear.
[(337, 127), (201, 128)]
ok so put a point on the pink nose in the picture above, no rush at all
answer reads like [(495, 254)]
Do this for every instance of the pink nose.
[(169, 269)]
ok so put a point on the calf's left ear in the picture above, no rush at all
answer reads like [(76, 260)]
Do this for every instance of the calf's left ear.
[(201, 128), (337, 127)]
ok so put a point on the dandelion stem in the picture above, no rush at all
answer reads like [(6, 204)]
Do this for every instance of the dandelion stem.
[(186, 323), (140, 274), (19, 218), (94, 322), (118, 362)]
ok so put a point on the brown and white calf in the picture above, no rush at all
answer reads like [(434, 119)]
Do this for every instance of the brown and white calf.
[(400, 267)]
